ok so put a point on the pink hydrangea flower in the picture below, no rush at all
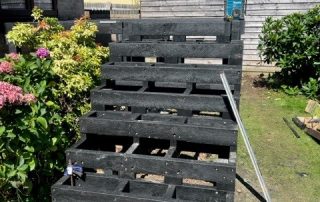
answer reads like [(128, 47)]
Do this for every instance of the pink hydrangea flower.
[(14, 56), (13, 95), (29, 98), (43, 53), (6, 67)]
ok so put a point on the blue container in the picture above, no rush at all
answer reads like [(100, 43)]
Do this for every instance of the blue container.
[(234, 8)]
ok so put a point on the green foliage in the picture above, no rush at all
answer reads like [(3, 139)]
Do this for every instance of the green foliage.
[(291, 90), (33, 137), (293, 44), (311, 89)]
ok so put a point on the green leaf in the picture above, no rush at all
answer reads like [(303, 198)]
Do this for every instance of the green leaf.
[(23, 167), (43, 122), (29, 149), (21, 161), (18, 111), (22, 176), (2, 129), (49, 103), (15, 184), (12, 173), (32, 164), (54, 140), (11, 135)]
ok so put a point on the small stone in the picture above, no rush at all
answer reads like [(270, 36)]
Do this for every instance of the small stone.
[(239, 190)]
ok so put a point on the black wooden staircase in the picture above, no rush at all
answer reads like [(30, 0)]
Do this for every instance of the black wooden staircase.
[(161, 130)]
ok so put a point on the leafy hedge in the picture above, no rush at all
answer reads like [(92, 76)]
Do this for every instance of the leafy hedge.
[(293, 43), (42, 94)]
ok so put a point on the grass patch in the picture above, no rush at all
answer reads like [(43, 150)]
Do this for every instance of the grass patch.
[(291, 166)]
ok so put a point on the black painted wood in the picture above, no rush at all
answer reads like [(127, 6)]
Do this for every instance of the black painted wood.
[(214, 103), (223, 174), (131, 190), (176, 49), (170, 73), (191, 129), (186, 27), (161, 119)]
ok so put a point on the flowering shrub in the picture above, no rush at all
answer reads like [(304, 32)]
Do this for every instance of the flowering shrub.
[(43, 53), (42, 95), (5, 67), (13, 95)]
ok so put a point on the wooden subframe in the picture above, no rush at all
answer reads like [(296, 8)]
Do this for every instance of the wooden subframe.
[(206, 130), (139, 125), (119, 189), (138, 97), (220, 171)]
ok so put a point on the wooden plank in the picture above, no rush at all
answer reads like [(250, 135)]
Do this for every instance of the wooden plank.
[(87, 191), (169, 74), (198, 131), (190, 8), (182, 27), (280, 6), (164, 3), (186, 193), (183, 14), (176, 49), (110, 97), (76, 194), (274, 12), (221, 173), (280, 1)]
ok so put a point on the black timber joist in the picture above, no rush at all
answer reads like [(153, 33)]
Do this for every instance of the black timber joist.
[(176, 49), (118, 189), (221, 173), (214, 131), (109, 97), (187, 27), (169, 74)]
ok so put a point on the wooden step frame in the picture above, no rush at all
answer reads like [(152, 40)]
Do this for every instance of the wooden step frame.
[(170, 106)]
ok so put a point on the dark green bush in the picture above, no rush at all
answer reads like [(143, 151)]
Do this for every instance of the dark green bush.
[(293, 44)]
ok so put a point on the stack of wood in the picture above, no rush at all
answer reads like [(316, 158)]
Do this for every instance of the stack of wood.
[(311, 124)]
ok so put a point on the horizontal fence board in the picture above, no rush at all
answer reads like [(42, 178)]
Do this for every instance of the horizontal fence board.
[(185, 50), (166, 3), (274, 12), (280, 6), (251, 47), (169, 74), (184, 8), (218, 133), (250, 52), (183, 14), (221, 173), (159, 100)]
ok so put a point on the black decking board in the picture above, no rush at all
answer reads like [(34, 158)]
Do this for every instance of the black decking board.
[(197, 129), (177, 49), (168, 119), (170, 74), (133, 190)]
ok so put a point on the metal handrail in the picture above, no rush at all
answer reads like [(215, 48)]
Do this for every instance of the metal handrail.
[(245, 137)]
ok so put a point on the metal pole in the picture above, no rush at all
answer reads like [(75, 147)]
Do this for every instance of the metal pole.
[(245, 137)]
